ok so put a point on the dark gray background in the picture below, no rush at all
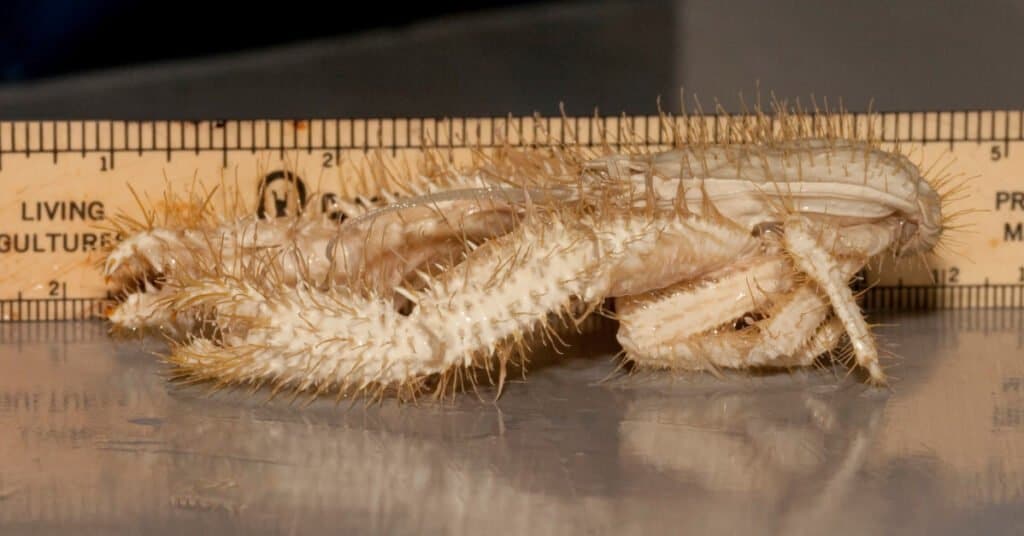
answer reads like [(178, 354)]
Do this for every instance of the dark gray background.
[(616, 56)]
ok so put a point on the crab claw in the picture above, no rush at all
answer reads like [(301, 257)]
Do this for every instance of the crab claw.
[(139, 309), (139, 254)]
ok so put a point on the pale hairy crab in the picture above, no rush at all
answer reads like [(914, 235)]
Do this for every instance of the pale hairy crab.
[(710, 256)]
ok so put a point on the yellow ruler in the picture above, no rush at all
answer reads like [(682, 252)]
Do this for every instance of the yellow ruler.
[(63, 180)]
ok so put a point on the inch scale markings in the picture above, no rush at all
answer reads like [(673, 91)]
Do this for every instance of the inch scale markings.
[(64, 179)]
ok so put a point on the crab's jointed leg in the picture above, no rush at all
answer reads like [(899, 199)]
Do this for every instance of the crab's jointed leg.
[(504, 292), (757, 316), (814, 259), (656, 327)]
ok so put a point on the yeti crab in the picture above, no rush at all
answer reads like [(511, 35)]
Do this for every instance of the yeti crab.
[(709, 256)]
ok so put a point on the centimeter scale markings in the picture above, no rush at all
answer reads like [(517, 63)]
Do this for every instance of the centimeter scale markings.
[(64, 180)]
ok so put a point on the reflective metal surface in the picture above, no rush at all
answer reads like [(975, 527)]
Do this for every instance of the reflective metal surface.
[(95, 440)]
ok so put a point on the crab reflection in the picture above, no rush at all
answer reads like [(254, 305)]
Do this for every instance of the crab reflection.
[(768, 454)]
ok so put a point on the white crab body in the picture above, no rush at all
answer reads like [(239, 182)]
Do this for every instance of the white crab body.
[(732, 256)]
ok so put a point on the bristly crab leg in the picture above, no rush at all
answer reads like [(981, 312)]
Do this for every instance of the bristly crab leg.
[(812, 257), (757, 317), (773, 324), (694, 307), (502, 294)]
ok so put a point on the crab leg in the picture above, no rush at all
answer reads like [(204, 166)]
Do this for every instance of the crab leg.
[(721, 347), (823, 341), (790, 328), (814, 259), (313, 339), (693, 329), (661, 318), (503, 293)]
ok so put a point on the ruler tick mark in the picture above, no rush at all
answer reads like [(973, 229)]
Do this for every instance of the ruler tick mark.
[(53, 132), (337, 140), (110, 142), (223, 143), (977, 126)]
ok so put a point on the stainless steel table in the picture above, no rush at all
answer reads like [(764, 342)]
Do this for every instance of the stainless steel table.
[(96, 440)]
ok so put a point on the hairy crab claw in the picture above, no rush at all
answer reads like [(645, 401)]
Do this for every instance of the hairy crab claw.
[(140, 266), (377, 251), (194, 238), (139, 256)]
